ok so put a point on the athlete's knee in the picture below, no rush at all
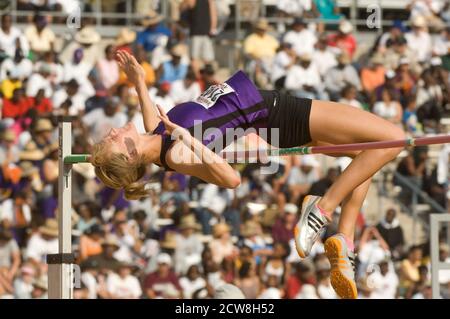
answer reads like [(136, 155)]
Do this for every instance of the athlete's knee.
[(396, 134)]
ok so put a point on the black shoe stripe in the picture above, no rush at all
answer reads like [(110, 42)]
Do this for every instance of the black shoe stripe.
[(312, 221), (313, 226), (317, 219)]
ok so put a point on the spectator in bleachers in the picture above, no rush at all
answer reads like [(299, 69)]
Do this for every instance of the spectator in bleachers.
[(372, 249), (189, 246), (40, 36), (302, 176), (389, 109), (328, 9), (163, 283), (11, 38), (441, 44), (43, 243), (108, 69), (202, 25), (248, 281), (283, 61), (323, 58), (187, 89), (419, 40), (192, 282), (392, 232), (175, 69), (409, 269), (40, 80), (9, 261), (349, 96), (373, 75), (343, 40), (150, 76), (285, 223), (16, 66), (388, 39), (123, 285), (303, 275), (300, 37), (155, 34), (340, 76), (303, 79), (384, 281)]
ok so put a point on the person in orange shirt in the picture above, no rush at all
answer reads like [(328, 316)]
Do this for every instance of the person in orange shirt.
[(91, 242), (373, 75)]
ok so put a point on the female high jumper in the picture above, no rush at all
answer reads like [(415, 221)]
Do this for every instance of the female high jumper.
[(120, 159)]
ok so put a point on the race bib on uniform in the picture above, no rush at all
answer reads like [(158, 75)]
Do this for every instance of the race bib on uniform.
[(213, 93)]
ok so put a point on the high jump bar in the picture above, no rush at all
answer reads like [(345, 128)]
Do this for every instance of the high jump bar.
[(303, 150)]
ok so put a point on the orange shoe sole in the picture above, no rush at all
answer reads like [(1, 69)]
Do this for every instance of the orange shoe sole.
[(344, 287)]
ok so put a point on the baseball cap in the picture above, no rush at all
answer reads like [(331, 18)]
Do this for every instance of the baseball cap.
[(291, 208), (228, 291), (164, 259)]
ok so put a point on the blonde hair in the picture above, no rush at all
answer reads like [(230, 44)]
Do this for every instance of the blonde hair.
[(116, 171)]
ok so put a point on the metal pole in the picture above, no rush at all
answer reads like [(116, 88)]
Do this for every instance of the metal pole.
[(60, 265), (434, 252), (237, 19), (129, 8)]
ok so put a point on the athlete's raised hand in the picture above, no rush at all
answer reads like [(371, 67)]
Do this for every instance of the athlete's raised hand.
[(130, 66)]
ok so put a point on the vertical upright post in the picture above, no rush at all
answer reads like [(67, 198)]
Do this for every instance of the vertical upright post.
[(60, 265), (434, 252)]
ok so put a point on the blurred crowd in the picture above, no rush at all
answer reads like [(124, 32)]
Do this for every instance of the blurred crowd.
[(187, 238)]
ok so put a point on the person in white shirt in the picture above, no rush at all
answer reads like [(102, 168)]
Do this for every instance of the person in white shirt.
[(419, 40), (323, 58), (18, 65), (294, 7), (192, 281), (441, 44), (383, 281), (284, 59), (304, 79), (40, 36), (79, 69), (101, 121), (108, 69), (189, 245), (161, 96), (444, 275), (123, 285), (43, 243), (300, 37), (69, 92), (10, 37), (40, 80), (186, 90), (302, 177), (348, 96)]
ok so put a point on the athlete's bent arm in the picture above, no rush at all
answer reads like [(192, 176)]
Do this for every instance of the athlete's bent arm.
[(189, 156)]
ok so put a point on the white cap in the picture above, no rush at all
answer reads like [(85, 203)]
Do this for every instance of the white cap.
[(403, 60), (435, 61), (270, 293), (309, 160), (164, 259), (256, 208), (291, 208), (390, 74), (228, 291), (345, 26)]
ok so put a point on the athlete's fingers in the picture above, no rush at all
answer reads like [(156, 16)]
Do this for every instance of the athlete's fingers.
[(161, 111)]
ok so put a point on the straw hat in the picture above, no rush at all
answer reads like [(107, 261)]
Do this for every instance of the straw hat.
[(41, 283), (50, 228), (419, 22), (179, 50), (220, 229), (262, 24), (345, 27), (111, 240), (43, 125), (87, 35), (250, 228), (8, 135), (151, 18), (164, 258), (305, 56), (256, 208), (28, 169), (31, 152), (125, 36), (169, 241), (189, 222), (344, 58)]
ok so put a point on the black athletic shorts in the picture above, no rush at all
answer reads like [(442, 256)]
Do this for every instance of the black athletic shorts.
[(290, 115)]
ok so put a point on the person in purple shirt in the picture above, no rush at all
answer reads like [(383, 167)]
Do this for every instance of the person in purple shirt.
[(190, 137)]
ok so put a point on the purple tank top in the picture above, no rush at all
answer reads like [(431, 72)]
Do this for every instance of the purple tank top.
[(236, 103)]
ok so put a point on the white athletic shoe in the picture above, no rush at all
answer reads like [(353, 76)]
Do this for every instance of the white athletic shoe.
[(310, 226)]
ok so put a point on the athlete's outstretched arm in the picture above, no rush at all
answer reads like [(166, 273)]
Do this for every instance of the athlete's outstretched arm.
[(189, 156), (136, 75)]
